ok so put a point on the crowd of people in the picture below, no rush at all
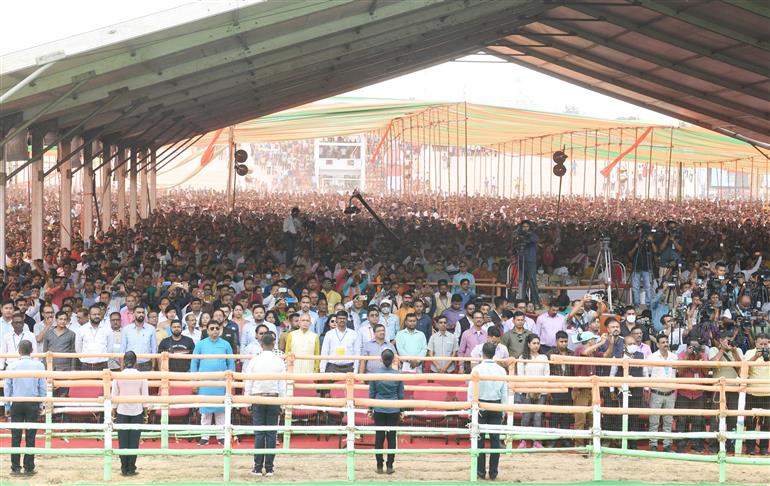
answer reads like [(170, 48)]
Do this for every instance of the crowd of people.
[(433, 278)]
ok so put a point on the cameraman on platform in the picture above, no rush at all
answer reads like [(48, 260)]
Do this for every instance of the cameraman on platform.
[(291, 230), (641, 255), (670, 248), (529, 239)]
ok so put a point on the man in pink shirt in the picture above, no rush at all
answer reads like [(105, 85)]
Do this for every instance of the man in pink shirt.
[(127, 312), (471, 338), (550, 323)]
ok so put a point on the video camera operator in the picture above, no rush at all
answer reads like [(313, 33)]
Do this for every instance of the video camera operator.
[(528, 240), (670, 247), (719, 283), (641, 256), (291, 230), (758, 288)]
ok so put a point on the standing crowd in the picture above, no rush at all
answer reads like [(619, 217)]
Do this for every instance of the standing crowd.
[(270, 280)]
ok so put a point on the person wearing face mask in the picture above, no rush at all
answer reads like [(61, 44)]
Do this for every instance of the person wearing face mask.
[(141, 339), (388, 319), (629, 320), (631, 350)]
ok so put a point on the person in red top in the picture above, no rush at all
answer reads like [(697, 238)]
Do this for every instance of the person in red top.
[(59, 290), (691, 399)]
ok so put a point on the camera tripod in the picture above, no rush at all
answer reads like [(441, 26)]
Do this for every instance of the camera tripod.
[(604, 261)]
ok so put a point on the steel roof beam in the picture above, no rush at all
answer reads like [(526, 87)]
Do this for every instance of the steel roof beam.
[(643, 91), (655, 34), (347, 43), (683, 16), (258, 16), (315, 33), (33, 118), (647, 76), (372, 47), (604, 91), (66, 136), (757, 8), (677, 66)]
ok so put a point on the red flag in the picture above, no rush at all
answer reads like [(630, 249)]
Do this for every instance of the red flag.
[(209, 152), (607, 170)]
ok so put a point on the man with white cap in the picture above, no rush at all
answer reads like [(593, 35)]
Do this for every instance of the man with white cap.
[(388, 319)]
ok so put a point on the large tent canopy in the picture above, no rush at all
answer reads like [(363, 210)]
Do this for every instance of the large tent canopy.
[(497, 127), (207, 65)]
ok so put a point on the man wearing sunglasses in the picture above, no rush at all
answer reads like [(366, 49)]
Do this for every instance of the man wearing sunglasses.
[(515, 339), (212, 344)]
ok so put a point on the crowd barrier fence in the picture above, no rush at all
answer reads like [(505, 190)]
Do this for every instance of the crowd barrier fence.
[(351, 405)]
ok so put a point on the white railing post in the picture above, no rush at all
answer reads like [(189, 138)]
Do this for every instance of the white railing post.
[(474, 431), (107, 388), (228, 426), (350, 438)]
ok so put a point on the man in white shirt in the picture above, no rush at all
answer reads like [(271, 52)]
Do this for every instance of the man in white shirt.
[(315, 322), (265, 414), (661, 397), (6, 318), (339, 343), (250, 328), (366, 328), (191, 329), (291, 230), (11, 341), (493, 336), (94, 338)]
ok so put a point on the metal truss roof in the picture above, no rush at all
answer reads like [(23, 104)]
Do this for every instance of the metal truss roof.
[(706, 62), (185, 72)]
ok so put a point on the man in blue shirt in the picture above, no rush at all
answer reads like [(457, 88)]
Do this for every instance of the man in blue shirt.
[(141, 339), (489, 392), (24, 412)]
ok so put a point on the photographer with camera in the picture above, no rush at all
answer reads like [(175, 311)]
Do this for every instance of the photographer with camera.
[(670, 248), (719, 283), (528, 240), (641, 256), (725, 352), (758, 400), (691, 399)]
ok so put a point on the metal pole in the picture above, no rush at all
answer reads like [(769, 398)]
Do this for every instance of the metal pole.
[(86, 214), (3, 182), (636, 137), (540, 165), (585, 161), (171, 157), (596, 160), (36, 203), (53, 104), (668, 168), (120, 169), (649, 162), (465, 142), (70, 133), (132, 183), (24, 82), (230, 167)]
